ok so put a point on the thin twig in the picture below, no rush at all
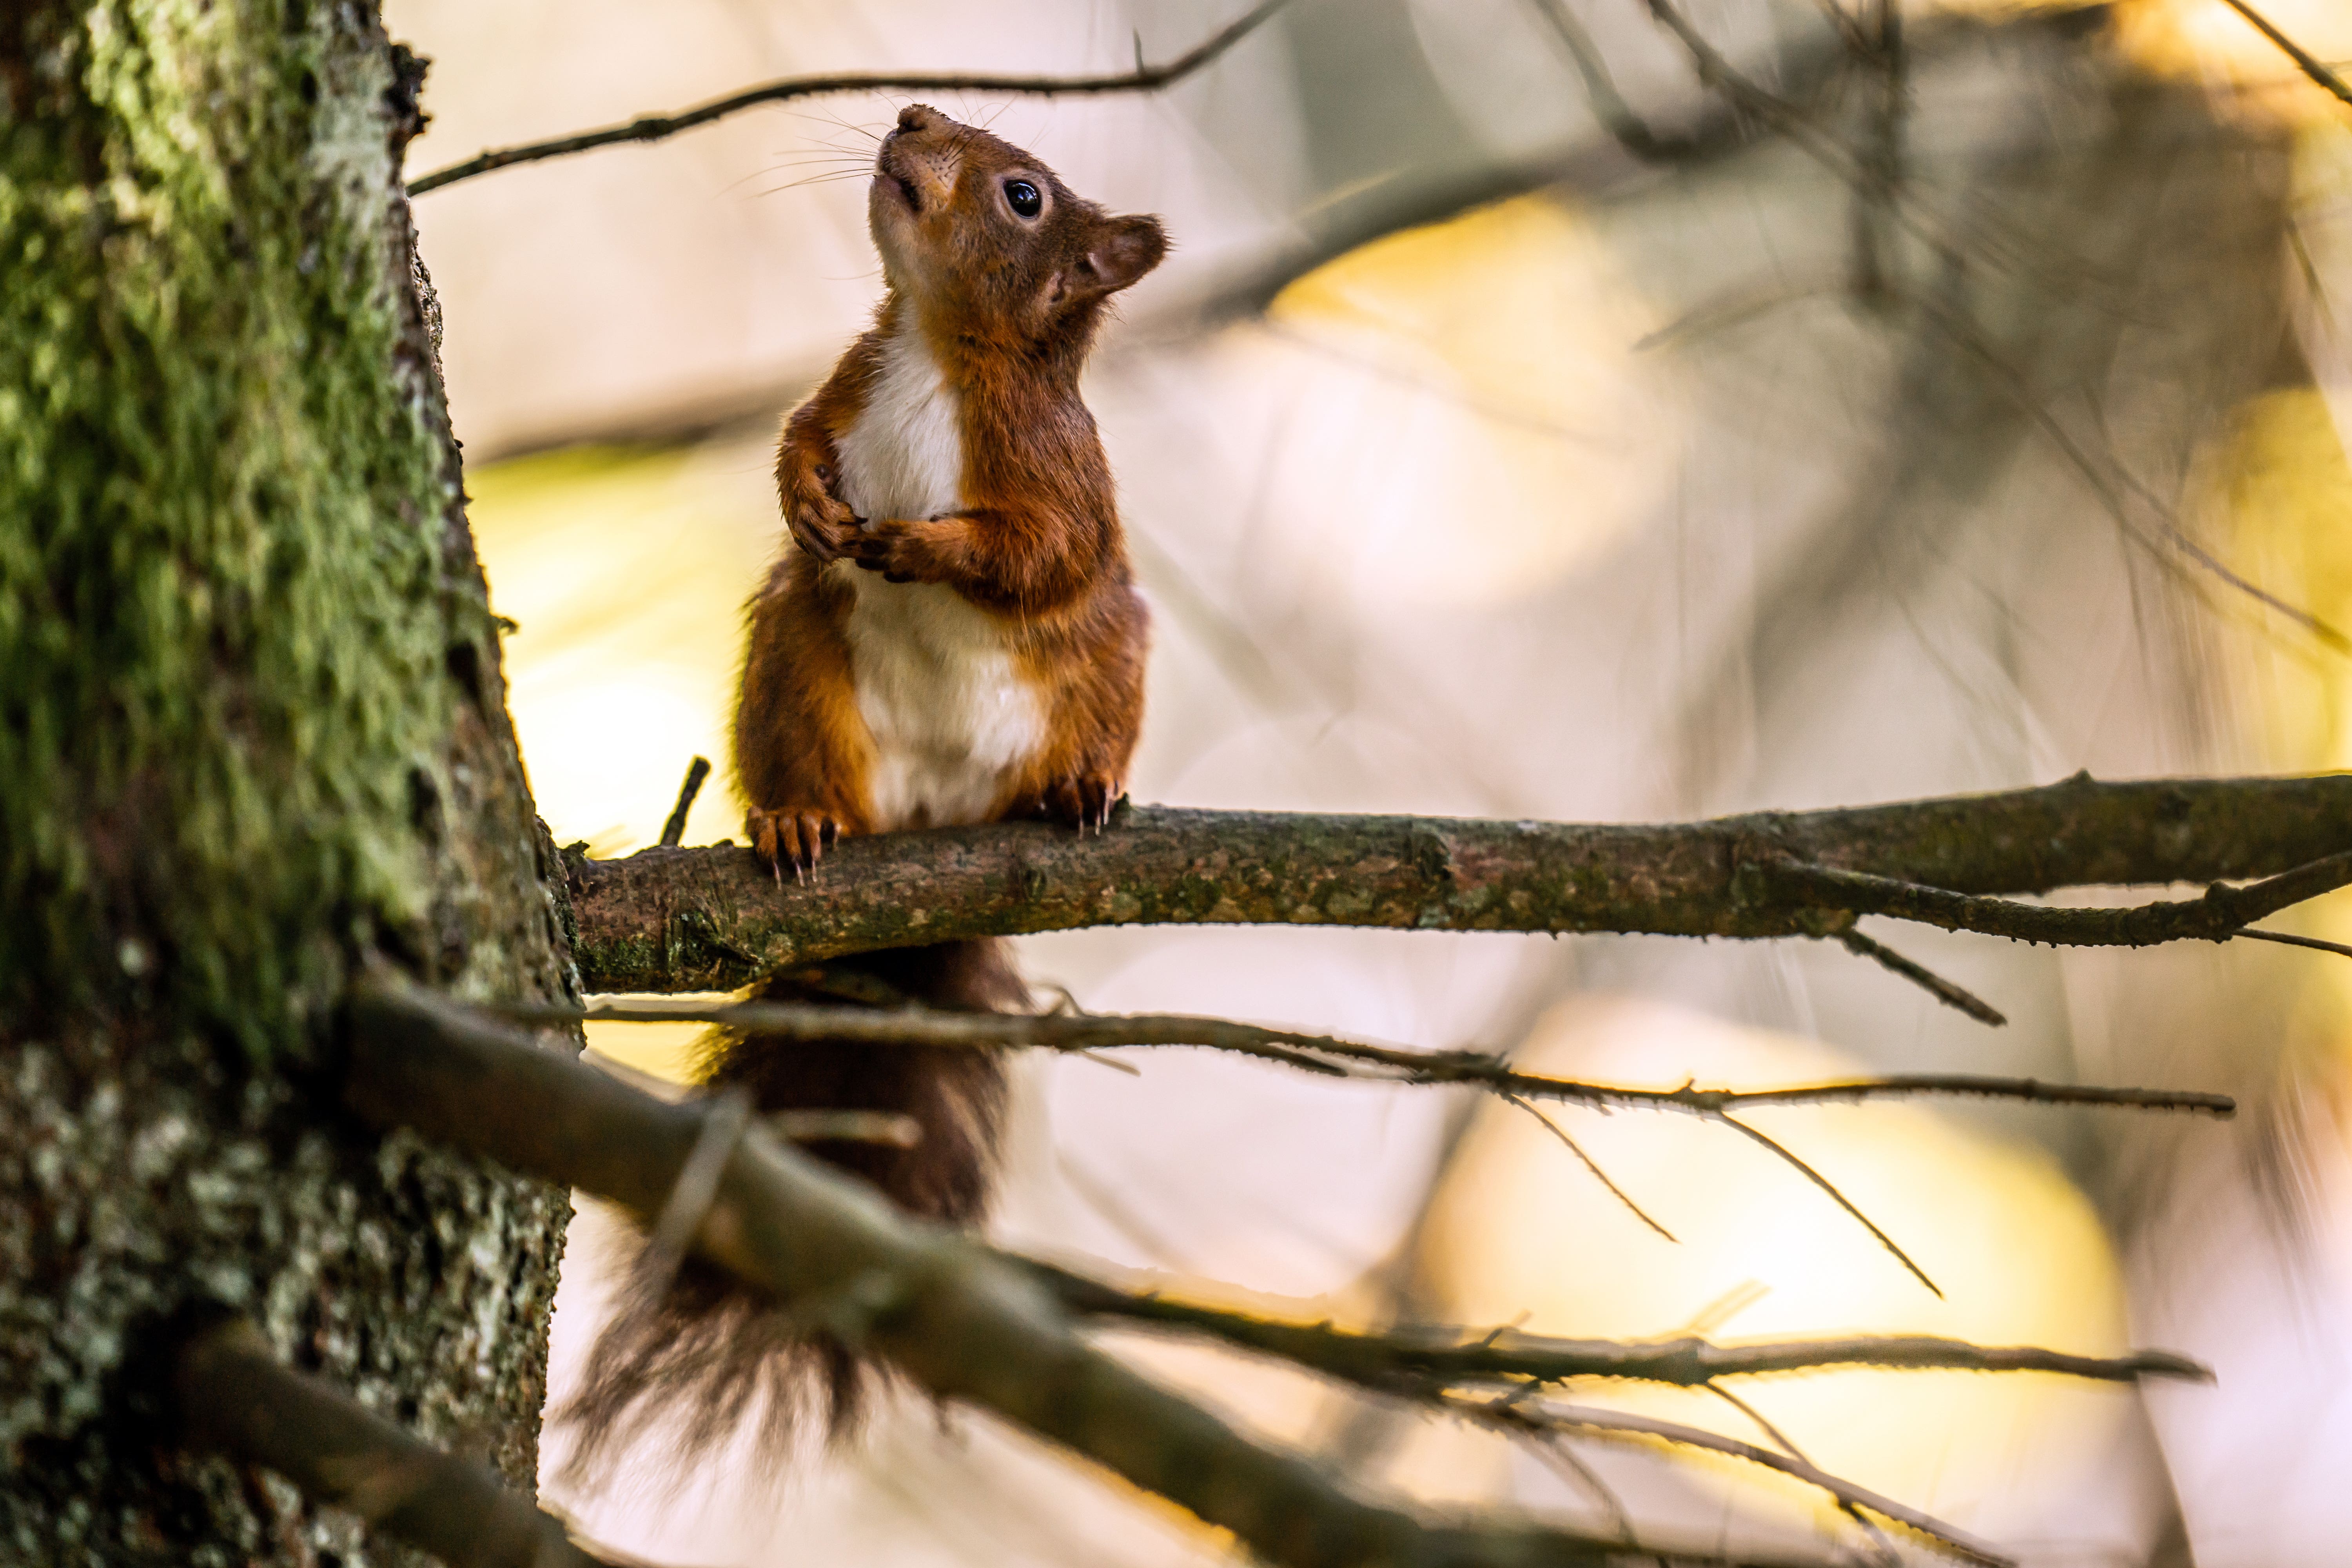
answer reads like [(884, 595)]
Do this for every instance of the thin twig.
[(1781, 1440), (1085, 1032), (1533, 1418), (1609, 106), (1329, 1056), (2108, 478), (673, 831), (1557, 1131), (2287, 940), (2310, 64), (689, 1200), (654, 127), (1451, 1356), (1863, 175), (2221, 914), (1790, 1158), (1927, 979), (235, 1397)]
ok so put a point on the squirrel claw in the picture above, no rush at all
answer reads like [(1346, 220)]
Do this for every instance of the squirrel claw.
[(825, 531), (794, 838), (1085, 801)]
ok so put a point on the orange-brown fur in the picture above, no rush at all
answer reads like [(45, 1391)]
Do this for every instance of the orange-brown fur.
[(1007, 310), (1010, 316)]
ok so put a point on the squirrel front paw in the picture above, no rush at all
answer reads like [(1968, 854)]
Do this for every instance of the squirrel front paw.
[(1082, 801), (820, 524), (794, 838), (898, 549)]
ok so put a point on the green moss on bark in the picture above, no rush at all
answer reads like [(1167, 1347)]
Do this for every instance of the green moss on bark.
[(253, 735), (221, 597)]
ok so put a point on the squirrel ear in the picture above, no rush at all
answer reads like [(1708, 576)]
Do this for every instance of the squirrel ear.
[(1121, 251)]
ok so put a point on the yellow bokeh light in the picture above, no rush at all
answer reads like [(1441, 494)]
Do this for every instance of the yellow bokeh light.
[(1497, 352), (624, 570), (2206, 38)]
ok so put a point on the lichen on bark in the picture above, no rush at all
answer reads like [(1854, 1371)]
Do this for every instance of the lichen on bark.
[(252, 730)]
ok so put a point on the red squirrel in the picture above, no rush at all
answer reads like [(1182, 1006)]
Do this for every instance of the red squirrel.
[(951, 634)]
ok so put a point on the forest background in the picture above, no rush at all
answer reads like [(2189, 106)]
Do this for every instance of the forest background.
[(1626, 497)]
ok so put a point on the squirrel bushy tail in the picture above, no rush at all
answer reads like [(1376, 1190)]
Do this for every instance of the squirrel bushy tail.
[(706, 1354)]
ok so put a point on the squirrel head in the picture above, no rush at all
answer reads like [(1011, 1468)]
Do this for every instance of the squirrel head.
[(988, 243)]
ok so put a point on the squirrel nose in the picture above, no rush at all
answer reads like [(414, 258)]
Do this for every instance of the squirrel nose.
[(916, 116)]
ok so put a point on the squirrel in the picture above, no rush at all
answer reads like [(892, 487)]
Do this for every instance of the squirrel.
[(951, 634)]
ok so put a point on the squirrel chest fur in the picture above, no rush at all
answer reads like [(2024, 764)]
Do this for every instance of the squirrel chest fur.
[(954, 718)]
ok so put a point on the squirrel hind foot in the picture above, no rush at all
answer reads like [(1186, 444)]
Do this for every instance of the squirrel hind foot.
[(1082, 801), (796, 838)]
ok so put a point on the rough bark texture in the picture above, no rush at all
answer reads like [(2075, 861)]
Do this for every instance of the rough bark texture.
[(253, 731), (685, 919)]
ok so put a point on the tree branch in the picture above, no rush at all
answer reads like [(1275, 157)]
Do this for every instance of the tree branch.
[(1549, 1420), (1326, 1055), (673, 831), (2311, 65), (235, 1398), (1953, 996), (654, 127), (683, 920), (958, 1320), (967, 1323), (887, 1026), (2223, 912), (1453, 1356)]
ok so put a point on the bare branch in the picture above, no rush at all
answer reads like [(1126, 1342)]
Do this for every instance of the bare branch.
[(1927, 979), (2308, 63), (235, 1398), (2285, 939), (2109, 479), (1326, 1055), (683, 920), (1331, 1056), (654, 127), (2221, 914), (1450, 1356), (1551, 1419), (1591, 1164), (1609, 105), (1790, 1159), (1781, 1440), (671, 920), (673, 831), (958, 1319), (969, 1323)]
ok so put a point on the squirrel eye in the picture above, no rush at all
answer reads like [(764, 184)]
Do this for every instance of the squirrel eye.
[(1023, 197)]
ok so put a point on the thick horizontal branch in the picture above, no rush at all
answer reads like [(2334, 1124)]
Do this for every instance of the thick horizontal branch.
[(681, 919), (656, 127), (958, 1320), (1331, 1056), (235, 1398), (1449, 1356)]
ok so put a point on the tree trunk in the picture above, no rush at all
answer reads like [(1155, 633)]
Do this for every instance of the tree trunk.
[(253, 737)]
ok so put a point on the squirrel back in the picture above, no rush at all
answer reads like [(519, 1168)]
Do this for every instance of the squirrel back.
[(951, 634)]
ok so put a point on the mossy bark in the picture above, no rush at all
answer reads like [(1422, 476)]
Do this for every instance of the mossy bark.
[(253, 739)]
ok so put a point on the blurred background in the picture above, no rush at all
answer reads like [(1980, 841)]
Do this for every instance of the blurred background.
[(1486, 452)]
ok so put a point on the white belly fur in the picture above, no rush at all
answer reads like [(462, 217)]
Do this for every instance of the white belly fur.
[(951, 713)]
